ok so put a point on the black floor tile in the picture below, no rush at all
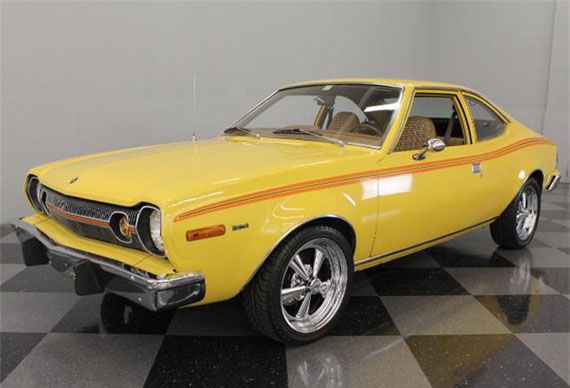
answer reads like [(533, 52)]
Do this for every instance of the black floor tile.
[(108, 313), (14, 347), (456, 257), (11, 253), (557, 278), (41, 278), (226, 318), (365, 315), (481, 360), (219, 361), (414, 281), (530, 313)]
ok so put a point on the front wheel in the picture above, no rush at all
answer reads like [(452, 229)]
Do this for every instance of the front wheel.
[(300, 291), (515, 228)]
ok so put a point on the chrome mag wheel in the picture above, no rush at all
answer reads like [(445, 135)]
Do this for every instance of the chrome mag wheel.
[(527, 213), (313, 285)]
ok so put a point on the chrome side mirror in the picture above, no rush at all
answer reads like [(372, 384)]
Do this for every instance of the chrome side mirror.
[(434, 145)]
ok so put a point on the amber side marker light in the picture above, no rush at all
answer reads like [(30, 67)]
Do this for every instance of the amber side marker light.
[(207, 232)]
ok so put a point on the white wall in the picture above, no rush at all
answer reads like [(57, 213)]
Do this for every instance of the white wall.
[(516, 53), (85, 77), (557, 116), (90, 76)]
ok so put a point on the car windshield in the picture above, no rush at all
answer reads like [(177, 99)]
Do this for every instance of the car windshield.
[(338, 113)]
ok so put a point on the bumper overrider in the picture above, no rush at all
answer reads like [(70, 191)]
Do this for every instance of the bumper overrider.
[(94, 274), (553, 183)]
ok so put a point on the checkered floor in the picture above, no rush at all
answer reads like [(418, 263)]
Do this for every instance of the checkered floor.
[(463, 313)]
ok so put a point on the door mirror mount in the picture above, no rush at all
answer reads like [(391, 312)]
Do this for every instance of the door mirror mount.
[(433, 145)]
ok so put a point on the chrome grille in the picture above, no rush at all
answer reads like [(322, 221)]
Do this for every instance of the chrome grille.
[(89, 218)]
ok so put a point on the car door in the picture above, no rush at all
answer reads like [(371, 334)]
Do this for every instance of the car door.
[(421, 201), (490, 136)]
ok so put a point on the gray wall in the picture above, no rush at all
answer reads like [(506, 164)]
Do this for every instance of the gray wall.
[(84, 77), (516, 53)]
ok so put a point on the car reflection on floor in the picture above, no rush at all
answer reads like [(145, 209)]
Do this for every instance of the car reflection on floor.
[(332, 361)]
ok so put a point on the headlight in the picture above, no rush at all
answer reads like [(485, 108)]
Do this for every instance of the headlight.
[(155, 225), (149, 229), (33, 191)]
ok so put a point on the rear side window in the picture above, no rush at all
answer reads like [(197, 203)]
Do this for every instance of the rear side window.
[(487, 123)]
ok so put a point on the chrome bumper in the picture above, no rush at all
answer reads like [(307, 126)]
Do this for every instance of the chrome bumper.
[(553, 183), (94, 274)]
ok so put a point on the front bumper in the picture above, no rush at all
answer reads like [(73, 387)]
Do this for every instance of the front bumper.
[(95, 274), (553, 183)]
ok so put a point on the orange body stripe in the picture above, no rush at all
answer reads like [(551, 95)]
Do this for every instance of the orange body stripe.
[(347, 179), (76, 217), (85, 220)]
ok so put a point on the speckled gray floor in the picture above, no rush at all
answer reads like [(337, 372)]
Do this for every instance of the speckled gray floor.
[(463, 313)]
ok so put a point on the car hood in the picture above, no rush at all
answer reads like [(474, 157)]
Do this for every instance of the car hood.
[(169, 173)]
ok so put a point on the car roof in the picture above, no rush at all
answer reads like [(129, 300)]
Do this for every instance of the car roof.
[(383, 81)]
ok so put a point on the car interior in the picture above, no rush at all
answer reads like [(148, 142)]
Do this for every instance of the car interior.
[(438, 120)]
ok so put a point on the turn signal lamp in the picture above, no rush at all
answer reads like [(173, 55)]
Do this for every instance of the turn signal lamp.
[(207, 232)]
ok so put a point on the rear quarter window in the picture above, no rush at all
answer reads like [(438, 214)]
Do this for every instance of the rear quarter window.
[(487, 123)]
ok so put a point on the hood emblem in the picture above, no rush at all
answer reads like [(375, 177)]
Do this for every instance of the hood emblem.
[(73, 180)]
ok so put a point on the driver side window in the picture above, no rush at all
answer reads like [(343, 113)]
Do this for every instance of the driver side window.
[(432, 116)]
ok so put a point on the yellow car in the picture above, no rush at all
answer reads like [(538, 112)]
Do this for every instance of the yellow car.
[(319, 180)]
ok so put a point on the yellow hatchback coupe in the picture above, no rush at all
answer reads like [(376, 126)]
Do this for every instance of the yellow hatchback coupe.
[(319, 180)]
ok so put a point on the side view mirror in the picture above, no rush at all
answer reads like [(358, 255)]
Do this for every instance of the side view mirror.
[(433, 145)]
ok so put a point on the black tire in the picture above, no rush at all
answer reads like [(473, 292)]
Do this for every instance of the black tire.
[(262, 297), (504, 228)]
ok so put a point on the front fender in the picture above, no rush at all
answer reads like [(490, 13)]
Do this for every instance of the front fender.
[(254, 229)]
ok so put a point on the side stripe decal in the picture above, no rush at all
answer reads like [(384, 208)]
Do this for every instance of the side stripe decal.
[(347, 179)]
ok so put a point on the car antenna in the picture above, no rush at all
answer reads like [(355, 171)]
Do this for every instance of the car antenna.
[(194, 93)]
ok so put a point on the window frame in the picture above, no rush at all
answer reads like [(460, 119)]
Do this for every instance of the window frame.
[(456, 98), (483, 101)]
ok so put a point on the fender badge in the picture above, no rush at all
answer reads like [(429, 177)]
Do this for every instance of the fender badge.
[(73, 180), (235, 228)]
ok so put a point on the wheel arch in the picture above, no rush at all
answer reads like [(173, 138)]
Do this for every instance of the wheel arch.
[(333, 220), (538, 175)]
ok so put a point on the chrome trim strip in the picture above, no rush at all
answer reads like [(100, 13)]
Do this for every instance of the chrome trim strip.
[(113, 231), (139, 235), (288, 233), (105, 264), (553, 183), (254, 108), (384, 255), (30, 196)]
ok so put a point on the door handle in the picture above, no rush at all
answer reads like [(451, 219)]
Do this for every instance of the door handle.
[(476, 168)]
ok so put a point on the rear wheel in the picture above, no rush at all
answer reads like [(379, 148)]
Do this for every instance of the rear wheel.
[(515, 228), (302, 288)]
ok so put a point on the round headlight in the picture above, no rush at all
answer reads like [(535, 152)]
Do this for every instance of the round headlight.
[(149, 229), (155, 226), (34, 193)]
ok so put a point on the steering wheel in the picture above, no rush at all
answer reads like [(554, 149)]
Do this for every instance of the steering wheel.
[(368, 129)]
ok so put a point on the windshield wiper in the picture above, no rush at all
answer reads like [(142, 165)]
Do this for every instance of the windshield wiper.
[(294, 131), (242, 129)]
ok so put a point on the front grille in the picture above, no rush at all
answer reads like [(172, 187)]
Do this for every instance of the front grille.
[(89, 218)]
